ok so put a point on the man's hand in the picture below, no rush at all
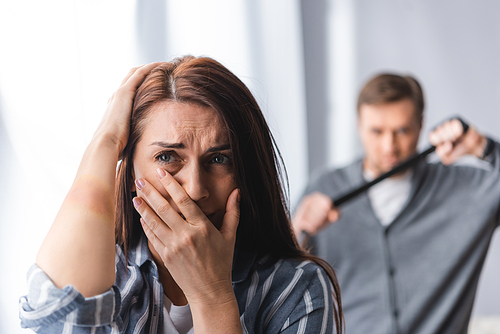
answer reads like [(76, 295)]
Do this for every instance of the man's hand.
[(451, 145), (315, 212)]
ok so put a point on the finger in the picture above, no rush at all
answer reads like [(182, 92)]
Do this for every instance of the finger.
[(155, 241), (457, 128), (137, 77), (158, 204), (439, 135), (186, 205), (443, 149), (231, 217), (434, 138), (123, 97), (140, 73), (447, 132), (149, 217), (333, 215), (454, 130), (446, 147), (129, 74)]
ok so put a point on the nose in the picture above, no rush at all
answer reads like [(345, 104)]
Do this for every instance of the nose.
[(389, 143), (194, 181)]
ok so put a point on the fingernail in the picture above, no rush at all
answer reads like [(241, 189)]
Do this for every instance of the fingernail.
[(239, 196), (139, 183), (137, 201), (161, 173)]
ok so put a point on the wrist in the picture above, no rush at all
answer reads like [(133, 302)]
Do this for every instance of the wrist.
[(480, 146), (219, 317), (100, 159), (107, 141), (489, 147), (213, 297)]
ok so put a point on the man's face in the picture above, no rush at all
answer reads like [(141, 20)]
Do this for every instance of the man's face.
[(389, 133)]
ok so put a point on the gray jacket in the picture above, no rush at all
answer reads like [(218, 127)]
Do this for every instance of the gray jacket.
[(420, 273)]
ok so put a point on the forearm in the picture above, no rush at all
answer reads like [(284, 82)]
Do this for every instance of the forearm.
[(79, 248)]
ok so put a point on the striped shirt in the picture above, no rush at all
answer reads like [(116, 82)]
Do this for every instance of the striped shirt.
[(274, 296)]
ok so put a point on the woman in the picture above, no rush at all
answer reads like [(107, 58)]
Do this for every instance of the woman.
[(198, 216)]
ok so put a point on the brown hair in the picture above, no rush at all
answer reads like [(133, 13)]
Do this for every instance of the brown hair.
[(386, 88), (259, 171)]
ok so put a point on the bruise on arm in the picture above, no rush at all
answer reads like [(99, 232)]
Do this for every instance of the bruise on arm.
[(90, 193)]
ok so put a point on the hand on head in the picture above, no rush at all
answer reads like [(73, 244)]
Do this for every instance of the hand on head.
[(116, 121)]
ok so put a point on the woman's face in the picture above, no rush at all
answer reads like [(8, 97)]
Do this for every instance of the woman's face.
[(192, 144)]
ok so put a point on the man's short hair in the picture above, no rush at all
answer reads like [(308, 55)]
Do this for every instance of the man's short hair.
[(387, 88)]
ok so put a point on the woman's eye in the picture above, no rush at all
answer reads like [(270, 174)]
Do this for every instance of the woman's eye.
[(220, 159), (165, 157)]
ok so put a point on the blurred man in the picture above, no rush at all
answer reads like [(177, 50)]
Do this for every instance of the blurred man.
[(409, 251)]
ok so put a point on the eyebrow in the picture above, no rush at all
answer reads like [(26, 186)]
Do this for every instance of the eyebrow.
[(167, 145), (219, 148), (182, 146)]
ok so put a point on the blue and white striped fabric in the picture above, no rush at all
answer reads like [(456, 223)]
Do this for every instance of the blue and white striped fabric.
[(274, 296)]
